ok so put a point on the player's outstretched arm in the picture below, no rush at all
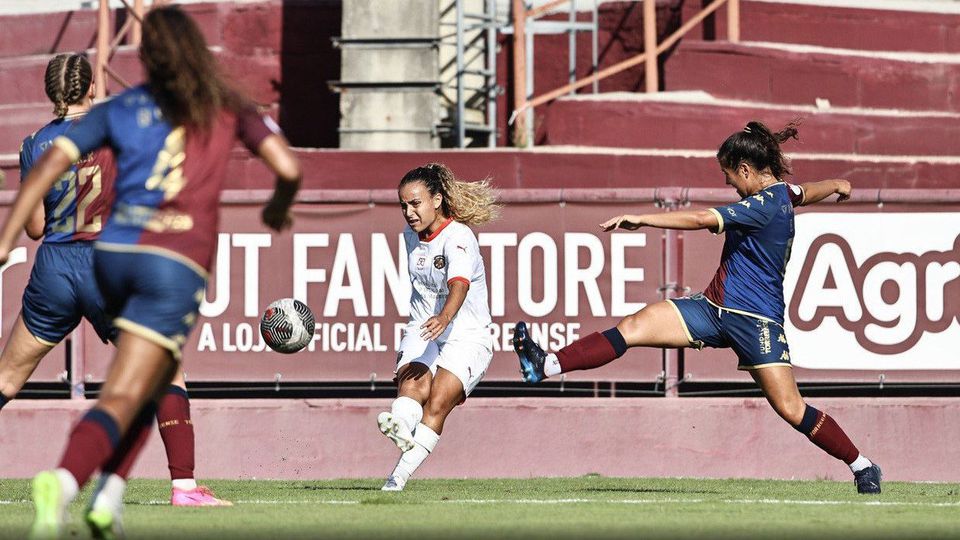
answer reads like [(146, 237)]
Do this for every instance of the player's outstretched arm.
[(689, 220), (814, 192), (48, 168), (275, 152)]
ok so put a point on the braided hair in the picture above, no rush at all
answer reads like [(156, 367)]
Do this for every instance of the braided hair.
[(470, 203), (759, 147), (67, 81)]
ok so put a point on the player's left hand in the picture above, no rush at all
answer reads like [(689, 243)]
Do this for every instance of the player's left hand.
[(434, 327), (626, 221), (276, 218), (843, 190)]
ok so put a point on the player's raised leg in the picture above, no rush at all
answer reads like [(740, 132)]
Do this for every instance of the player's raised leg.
[(657, 325), (445, 394), (780, 389), (413, 389), (19, 359)]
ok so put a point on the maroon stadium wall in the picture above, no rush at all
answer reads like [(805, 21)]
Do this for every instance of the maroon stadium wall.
[(912, 439)]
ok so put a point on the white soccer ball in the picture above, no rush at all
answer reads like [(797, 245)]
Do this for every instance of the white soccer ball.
[(287, 325)]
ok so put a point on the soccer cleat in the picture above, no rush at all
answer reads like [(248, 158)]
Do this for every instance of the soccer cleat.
[(104, 524), (393, 484), (868, 480), (396, 431), (198, 496), (532, 357), (49, 504)]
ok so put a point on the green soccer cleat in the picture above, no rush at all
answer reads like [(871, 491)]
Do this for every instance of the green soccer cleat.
[(49, 504), (104, 524)]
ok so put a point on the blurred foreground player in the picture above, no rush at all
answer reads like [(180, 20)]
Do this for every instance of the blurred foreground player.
[(171, 137), (447, 346), (743, 307), (62, 288)]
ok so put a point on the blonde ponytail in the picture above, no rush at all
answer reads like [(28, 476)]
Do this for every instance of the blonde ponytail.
[(470, 203)]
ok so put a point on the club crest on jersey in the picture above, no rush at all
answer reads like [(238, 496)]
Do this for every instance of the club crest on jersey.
[(439, 262)]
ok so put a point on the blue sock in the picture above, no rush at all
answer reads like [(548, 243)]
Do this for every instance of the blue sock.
[(3, 400), (616, 339)]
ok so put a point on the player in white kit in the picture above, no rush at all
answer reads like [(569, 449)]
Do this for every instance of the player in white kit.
[(447, 345)]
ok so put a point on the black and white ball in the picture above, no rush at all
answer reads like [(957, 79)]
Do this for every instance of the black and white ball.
[(287, 325)]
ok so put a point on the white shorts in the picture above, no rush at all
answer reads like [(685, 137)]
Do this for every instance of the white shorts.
[(468, 360)]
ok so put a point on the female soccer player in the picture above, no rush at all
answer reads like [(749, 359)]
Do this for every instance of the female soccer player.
[(743, 307), (59, 292), (172, 137), (447, 345)]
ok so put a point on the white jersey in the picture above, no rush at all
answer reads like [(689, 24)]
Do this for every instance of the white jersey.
[(450, 254)]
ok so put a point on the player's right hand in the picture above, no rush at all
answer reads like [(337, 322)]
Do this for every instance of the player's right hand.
[(626, 221), (843, 190)]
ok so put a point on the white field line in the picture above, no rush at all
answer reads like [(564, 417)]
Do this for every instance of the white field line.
[(785, 502)]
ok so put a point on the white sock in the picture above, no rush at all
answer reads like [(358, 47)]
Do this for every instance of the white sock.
[(551, 366), (426, 440), (408, 411), (185, 484), (68, 484), (860, 463), (109, 493)]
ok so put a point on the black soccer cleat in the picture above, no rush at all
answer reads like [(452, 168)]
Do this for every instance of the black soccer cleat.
[(868, 480), (531, 355)]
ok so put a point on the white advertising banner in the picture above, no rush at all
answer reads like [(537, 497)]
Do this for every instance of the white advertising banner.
[(875, 291)]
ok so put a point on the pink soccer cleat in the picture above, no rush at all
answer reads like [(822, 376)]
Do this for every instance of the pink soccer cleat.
[(198, 496)]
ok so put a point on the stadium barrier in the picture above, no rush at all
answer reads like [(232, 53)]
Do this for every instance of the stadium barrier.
[(873, 289)]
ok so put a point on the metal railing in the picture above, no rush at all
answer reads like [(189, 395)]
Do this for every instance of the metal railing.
[(523, 103), (107, 47)]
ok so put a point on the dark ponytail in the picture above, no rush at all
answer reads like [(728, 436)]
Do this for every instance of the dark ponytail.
[(759, 147), (67, 81)]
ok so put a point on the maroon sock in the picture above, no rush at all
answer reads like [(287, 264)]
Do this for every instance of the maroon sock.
[(592, 351), (91, 443), (123, 458), (828, 435), (176, 429)]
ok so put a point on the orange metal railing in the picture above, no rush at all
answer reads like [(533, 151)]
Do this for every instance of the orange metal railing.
[(107, 47), (651, 50)]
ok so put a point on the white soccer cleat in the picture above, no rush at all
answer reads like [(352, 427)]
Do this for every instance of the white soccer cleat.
[(393, 484), (396, 431)]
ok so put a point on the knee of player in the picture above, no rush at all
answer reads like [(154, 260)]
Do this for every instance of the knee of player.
[(437, 407), (790, 409)]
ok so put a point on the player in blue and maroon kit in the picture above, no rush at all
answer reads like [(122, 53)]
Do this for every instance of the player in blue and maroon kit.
[(172, 137), (743, 307), (61, 292)]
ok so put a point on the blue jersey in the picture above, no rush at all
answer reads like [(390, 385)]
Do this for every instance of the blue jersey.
[(168, 177), (76, 207), (759, 231)]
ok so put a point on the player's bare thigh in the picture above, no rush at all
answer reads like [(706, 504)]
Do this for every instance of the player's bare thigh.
[(657, 325), (20, 357)]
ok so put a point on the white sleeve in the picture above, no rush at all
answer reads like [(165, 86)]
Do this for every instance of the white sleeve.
[(461, 251)]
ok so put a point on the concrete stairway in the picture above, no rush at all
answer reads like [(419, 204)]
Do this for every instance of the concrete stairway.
[(878, 92)]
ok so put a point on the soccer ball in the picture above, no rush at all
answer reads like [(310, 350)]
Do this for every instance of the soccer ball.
[(287, 325)]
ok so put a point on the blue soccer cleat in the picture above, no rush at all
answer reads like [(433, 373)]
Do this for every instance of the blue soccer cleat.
[(868, 480), (531, 355)]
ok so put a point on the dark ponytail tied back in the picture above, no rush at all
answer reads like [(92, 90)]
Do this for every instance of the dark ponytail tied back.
[(759, 147)]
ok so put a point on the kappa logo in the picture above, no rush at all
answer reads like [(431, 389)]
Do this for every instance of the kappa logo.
[(731, 211), (439, 262), (888, 301), (785, 356)]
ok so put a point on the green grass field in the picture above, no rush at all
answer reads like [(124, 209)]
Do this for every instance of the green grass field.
[(586, 507)]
